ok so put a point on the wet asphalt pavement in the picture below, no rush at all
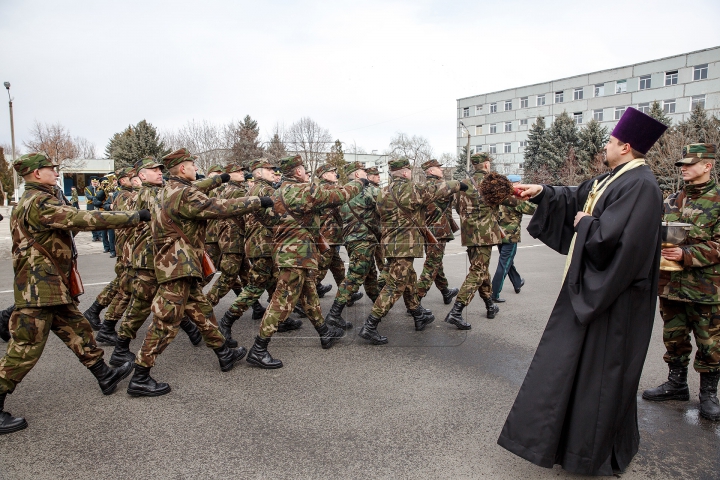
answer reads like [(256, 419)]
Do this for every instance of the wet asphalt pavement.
[(428, 404)]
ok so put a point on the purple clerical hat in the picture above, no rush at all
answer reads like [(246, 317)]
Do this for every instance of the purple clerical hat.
[(639, 130)]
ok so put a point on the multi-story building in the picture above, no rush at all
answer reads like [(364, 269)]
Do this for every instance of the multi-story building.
[(499, 122)]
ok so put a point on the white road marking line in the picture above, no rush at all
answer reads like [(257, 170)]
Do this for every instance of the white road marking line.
[(84, 284)]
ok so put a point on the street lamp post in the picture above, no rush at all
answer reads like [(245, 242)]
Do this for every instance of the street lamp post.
[(467, 151), (12, 138)]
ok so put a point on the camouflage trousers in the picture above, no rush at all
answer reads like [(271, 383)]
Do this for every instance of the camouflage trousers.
[(120, 301), (361, 260), (703, 320), (331, 260), (174, 301), (144, 287), (433, 268), (213, 249), (29, 329), (401, 280), (478, 277), (231, 265), (293, 285), (261, 276), (110, 290)]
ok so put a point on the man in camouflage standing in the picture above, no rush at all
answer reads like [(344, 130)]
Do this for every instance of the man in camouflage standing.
[(331, 230), (690, 297), (298, 204), (178, 232), (401, 205), (42, 260)]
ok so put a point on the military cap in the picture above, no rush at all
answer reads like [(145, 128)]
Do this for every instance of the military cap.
[(30, 162), (233, 167), (248, 176), (325, 168), (430, 164), (353, 167), (696, 152), (288, 164), (478, 158), (148, 162), (125, 172), (372, 171), (399, 164), (103, 179), (261, 163), (177, 157), (215, 168)]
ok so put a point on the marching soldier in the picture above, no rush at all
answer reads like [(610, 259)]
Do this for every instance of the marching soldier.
[(213, 229), (331, 229), (178, 232), (295, 219), (373, 175), (401, 205), (90, 192), (42, 261)]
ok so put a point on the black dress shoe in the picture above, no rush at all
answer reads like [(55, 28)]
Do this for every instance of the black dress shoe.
[(498, 300), (522, 282), (113, 255)]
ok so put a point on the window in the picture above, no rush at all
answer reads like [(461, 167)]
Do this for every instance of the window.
[(598, 114), (493, 128), (478, 129), (493, 148), (621, 86), (619, 112), (644, 107), (507, 148), (700, 72), (669, 106), (523, 144), (523, 102), (697, 100), (508, 105), (577, 116), (578, 94), (540, 100), (508, 126), (599, 89), (493, 107), (478, 109), (671, 78), (466, 112), (645, 82), (559, 97), (523, 121)]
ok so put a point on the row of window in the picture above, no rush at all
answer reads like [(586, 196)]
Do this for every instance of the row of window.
[(499, 148), (700, 72)]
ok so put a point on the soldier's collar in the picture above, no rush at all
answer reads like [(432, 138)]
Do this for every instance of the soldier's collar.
[(40, 186), (150, 185), (180, 180)]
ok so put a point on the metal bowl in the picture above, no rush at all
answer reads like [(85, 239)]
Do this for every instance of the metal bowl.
[(674, 233)]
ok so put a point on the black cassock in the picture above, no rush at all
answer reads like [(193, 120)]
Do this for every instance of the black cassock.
[(577, 406)]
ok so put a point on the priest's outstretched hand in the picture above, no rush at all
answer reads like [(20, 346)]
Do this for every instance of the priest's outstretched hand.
[(527, 191)]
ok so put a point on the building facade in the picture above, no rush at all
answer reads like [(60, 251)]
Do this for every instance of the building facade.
[(499, 122)]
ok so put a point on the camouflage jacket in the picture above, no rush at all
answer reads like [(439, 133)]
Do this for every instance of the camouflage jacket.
[(699, 281), (213, 227), (74, 197), (360, 217), (509, 218), (295, 219), (439, 214), (185, 204), (38, 282), (124, 201), (258, 237), (400, 234), (231, 230), (143, 251), (331, 221), (478, 221)]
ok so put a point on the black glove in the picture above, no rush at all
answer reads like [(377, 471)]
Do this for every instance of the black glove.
[(463, 186), (1, 218), (266, 202), (225, 177), (364, 181), (144, 215)]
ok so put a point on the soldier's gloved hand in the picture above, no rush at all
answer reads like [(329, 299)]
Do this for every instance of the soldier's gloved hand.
[(144, 215), (266, 202), (225, 177), (463, 186)]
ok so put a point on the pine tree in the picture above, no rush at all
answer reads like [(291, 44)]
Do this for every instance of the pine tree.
[(7, 186), (561, 136), (658, 114), (276, 148), (460, 169), (246, 144), (535, 148), (133, 143), (592, 139), (698, 127), (336, 158)]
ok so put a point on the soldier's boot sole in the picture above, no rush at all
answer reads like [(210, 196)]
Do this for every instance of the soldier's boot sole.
[(134, 392), (664, 393), (252, 360)]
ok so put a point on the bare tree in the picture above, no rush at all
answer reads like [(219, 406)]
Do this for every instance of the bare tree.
[(417, 149), (310, 140), (208, 141), (56, 142)]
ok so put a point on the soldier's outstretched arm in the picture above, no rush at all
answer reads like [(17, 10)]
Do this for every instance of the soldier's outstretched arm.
[(196, 204), (210, 183), (332, 196), (51, 213), (428, 193)]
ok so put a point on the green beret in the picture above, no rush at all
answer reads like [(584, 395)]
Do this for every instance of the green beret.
[(372, 171), (30, 162), (148, 162), (696, 152), (325, 168), (288, 164), (353, 167), (399, 164), (261, 163), (430, 164), (177, 157), (478, 158), (215, 168)]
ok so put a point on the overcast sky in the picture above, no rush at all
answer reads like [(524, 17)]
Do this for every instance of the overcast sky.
[(363, 70)]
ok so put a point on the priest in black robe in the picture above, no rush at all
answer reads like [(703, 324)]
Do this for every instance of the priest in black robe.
[(577, 406)]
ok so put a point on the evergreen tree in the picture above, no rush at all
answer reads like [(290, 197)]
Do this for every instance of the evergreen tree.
[(7, 186), (536, 147), (592, 139), (246, 144), (276, 148), (561, 137), (133, 143), (460, 169), (698, 127), (658, 114), (336, 158)]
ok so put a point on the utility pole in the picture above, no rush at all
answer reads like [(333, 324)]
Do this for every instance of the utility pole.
[(12, 137)]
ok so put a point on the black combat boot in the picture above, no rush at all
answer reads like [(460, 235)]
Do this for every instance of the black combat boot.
[(448, 294), (5, 322), (454, 316), (369, 331), (107, 334), (492, 309), (122, 354), (225, 325), (424, 310), (189, 327), (322, 289), (329, 334), (709, 407), (289, 325), (421, 317), (107, 377), (334, 317), (354, 298), (92, 315), (676, 388), (260, 357), (8, 423), (299, 311), (143, 385), (228, 357), (258, 311)]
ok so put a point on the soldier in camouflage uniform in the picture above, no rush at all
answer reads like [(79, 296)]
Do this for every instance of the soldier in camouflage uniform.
[(40, 226), (212, 237), (690, 298), (74, 200), (373, 175), (331, 229), (294, 219), (401, 205), (438, 218)]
